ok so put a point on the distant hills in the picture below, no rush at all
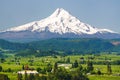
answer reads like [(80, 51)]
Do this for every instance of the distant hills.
[(64, 45), (12, 45)]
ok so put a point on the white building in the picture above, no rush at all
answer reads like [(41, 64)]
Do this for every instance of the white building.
[(66, 66), (28, 72)]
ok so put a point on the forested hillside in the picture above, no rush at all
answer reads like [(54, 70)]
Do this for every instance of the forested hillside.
[(64, 45), (12, 45)]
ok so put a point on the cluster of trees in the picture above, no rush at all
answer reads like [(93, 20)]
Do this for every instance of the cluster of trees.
[(63, 74), (30, 76), (36, 53), (60, 73), (2, 60), (7, 70), (4, 77), (90, 67), (114, 62), (55, 73)]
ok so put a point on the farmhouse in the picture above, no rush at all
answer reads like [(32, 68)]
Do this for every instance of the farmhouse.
[(28, 72), (66, 66)]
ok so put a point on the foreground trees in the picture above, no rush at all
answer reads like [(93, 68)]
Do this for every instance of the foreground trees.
[(79, 74), (56, 73), (61, 73), (19, 76), (4, 77)]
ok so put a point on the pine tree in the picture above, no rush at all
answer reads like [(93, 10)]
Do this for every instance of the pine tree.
[(23, 68), (0, 68), (89, 66), (68, 60), (19, 76), (26, 76), (31, 76), (99, 72), (49, 67), (109, 70), (55, 68), (75, 64)]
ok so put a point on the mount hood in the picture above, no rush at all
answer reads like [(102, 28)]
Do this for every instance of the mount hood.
[(61, 24)]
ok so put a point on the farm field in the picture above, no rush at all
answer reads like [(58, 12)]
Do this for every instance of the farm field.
[(12, 64)]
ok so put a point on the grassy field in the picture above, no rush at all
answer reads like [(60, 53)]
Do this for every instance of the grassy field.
[(103, 77), (10, 63)]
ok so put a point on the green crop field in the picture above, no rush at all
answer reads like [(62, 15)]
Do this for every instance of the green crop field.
[(10, 66), (104, 77)]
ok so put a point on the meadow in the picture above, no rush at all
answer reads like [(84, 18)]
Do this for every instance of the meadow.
[(12, 64)]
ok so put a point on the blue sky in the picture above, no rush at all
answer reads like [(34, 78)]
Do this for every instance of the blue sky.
[(98, 13)]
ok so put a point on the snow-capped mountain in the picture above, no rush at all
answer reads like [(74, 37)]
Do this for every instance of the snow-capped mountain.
[(60, 24)]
